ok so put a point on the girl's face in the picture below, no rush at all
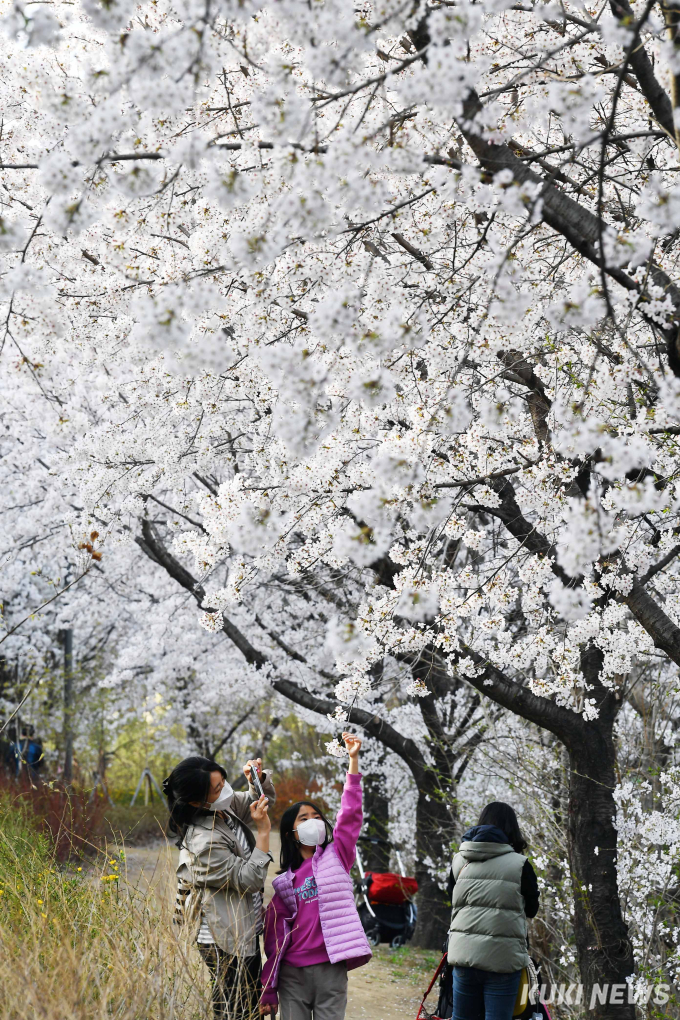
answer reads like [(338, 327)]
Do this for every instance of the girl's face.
[(305, 812)]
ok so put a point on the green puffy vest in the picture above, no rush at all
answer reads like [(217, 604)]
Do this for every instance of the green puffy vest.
[(488, 924)]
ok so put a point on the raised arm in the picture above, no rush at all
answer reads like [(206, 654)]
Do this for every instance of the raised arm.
[(350, 816)]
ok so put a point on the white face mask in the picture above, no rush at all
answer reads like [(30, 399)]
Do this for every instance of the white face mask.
[(311, 832), (224, 800)]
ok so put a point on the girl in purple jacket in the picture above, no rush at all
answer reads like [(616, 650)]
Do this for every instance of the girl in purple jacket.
[(312, 931)]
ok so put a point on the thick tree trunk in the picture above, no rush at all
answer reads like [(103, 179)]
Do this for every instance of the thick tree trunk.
[(602, 942), (377, 819), (434, 834)]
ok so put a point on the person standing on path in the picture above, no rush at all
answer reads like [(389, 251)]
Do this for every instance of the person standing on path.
[(221, 873), (493, 890), (313, 934)]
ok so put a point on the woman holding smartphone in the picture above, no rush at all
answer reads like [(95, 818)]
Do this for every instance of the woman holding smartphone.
[(221, 873)]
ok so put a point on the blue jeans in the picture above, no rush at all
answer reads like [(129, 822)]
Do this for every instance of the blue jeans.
[(481, 995)]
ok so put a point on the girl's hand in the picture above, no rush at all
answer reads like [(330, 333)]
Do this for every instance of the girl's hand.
[(259, 812), (353, 745), (257, 762), (266, 1009)]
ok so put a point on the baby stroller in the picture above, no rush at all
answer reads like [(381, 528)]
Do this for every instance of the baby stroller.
[(384, 899)]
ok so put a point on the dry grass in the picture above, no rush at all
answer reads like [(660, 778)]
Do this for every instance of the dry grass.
[(79, 943), (138, 825)]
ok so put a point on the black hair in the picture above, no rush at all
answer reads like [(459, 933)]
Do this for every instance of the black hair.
[(503, 817), (189, 781), (290, 849)]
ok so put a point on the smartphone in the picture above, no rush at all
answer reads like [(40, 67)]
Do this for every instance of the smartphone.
[(255, 780)]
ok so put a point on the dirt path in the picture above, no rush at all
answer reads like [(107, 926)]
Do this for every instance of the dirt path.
[(387, 988)]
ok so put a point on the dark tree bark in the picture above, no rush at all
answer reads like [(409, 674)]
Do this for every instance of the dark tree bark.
[(377, 815), (434, 835), (437, 807), (603, 945)]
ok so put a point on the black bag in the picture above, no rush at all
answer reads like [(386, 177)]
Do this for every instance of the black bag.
[(445, 1003)]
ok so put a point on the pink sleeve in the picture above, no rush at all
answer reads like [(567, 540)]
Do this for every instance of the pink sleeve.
[(349, 821), (273, 938)]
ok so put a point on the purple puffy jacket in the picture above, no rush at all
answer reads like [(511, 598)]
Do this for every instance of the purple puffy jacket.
[(342, 931)]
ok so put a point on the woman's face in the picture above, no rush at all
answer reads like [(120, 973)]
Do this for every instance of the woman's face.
[(217, 781), (305, 812), (216, 784)]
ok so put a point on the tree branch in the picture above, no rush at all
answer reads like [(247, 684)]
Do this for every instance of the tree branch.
[(151, 543), (376, 727), (462, 482), (657, 567), (522, 529), (520, 370), (216, 750), (506, 692), (581, 228), (649, 614), (290, 652), (643, 69), (417, 254)]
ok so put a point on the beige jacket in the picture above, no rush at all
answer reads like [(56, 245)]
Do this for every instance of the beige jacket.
[(223, 877)]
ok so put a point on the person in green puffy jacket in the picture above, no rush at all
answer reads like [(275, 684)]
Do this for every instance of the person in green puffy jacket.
[(493, 890)]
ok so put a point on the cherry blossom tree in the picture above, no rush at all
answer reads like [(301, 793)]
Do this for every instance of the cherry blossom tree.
[(376, 307)]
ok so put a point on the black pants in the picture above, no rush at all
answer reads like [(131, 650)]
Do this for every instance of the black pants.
[(236, 983)]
